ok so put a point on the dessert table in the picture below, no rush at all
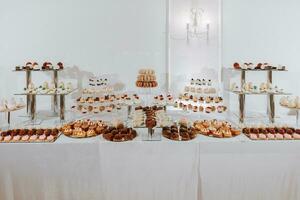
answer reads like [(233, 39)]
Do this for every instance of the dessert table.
[(205, 168)]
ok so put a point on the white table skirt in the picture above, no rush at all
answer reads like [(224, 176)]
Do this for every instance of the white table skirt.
[(205, 168)]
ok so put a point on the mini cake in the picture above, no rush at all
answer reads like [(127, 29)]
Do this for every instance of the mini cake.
[(146, 79), (215, 128), (236, 66), (84, 128)]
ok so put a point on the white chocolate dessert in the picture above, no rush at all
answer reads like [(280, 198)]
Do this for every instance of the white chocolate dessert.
[(47, 88), (290, 102), (11, 105), (249, 87)]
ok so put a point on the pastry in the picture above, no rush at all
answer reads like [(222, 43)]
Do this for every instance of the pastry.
[(84, 128), (236, 66), (215, 128)]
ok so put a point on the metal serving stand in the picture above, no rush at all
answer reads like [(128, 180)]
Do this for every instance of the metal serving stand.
[(31, 98), (270, 96)]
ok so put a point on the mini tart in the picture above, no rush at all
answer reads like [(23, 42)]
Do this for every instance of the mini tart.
[(7, 138), (227, 134), (270, 136), (50, 138), (253, 136), (91, 133), (287, 136), (296, 136), (42, 137), (262, 136), (279, 136), (25, 138), (16, 138), (33, 138)]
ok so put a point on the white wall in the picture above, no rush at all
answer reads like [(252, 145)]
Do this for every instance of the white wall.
[(98, 36)]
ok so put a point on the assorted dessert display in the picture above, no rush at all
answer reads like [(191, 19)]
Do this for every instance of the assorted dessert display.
[(290, 102), (265, 88), (249, 87), (150, 117), (96, 109), (180, 132), (200, 99), (34, 66), (271, 132), (29, 135), (104, 103), (53, 89), (216, 128), (162, 100), (49, 88), (258, 66), (119, 133), (11, 105), (206, 104), (200, 96), (146, 79), (125, 99), (84, 128)]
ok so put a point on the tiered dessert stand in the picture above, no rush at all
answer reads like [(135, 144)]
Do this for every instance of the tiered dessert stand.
[(31, 98), (270, 96)]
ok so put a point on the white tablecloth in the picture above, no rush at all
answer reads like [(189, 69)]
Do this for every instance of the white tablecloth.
[(205, 168)]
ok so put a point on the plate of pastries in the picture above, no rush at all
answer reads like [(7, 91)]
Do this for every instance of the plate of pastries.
[(216, 128), (272, 132), (34, 66), (146, 79), (180, 132), (119, 133), (258, 66), (33, 135), (84, 128)]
